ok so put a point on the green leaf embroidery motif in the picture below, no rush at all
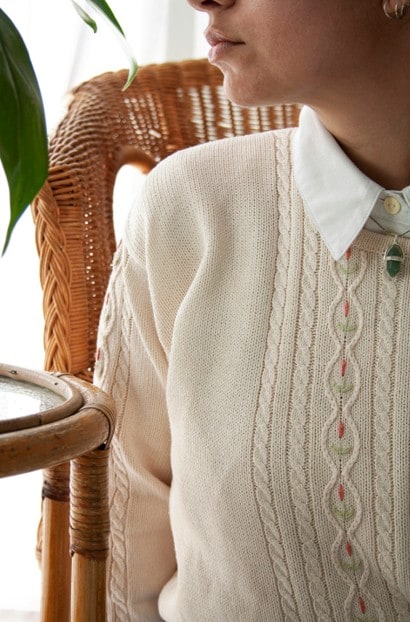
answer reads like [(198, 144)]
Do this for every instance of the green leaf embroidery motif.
[(343, 512), (342, 449)]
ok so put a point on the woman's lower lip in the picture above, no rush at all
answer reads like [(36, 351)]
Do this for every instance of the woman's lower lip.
[(219, 49)]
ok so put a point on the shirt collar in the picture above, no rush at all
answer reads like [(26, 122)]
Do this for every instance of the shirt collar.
[(337, 195)]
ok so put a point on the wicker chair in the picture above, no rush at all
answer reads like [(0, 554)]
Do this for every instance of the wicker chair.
[(168, 107)]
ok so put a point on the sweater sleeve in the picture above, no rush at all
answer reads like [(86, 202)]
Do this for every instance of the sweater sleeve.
[(153, 270), (132, 367), (161, 271)]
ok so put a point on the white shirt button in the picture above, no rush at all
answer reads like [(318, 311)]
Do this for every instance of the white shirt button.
[(391, 205)]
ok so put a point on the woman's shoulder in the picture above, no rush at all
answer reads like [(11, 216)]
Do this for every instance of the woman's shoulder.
[(219, 163), (226, 151), (222, 180), (227, 175)]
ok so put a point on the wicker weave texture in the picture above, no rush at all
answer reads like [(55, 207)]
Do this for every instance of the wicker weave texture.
[(168, 107)]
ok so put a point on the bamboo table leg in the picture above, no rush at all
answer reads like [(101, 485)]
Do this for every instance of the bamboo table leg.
[(44, 443), (55, 556), (89, 531)]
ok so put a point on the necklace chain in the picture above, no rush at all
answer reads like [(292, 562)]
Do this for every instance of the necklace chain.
[(396, 235)]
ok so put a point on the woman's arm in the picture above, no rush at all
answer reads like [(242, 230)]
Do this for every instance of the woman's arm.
[(132, 367)]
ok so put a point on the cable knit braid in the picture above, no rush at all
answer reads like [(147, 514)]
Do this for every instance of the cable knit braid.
[(383, 441), (297, 434), (263, 428), (113, 355)]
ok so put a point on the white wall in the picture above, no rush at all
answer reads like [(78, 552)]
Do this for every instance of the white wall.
[(64, 52)]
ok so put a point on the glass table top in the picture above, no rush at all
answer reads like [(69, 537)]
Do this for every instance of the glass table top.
[(19, 398)]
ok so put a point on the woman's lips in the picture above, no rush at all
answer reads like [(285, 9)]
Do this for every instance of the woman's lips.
[(220, 45)]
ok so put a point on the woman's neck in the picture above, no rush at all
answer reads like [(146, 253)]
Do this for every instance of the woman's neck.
[(380, 147), (371, 122)]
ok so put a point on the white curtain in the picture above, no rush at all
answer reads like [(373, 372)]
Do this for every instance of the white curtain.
[(64, 52)]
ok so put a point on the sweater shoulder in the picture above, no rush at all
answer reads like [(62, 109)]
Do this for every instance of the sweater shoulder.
[(223, 158), (214, 171), (194, 186)]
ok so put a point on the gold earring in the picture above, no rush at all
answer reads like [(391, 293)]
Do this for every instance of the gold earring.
[(399, 12)]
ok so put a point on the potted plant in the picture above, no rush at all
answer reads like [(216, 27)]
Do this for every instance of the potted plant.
[(23, 134)]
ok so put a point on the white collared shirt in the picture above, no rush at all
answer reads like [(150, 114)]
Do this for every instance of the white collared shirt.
[(338, 196)]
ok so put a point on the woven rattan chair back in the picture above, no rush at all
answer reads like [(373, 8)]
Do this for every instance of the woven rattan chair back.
[(168, 107)]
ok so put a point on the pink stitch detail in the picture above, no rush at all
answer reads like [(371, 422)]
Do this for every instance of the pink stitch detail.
[(349, 549), (341, 430), (343, 370), (348, 253), (362, 605), (341, 492), (346, 308)]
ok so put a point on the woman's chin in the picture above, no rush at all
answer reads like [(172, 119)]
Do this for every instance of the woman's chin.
[(241, 95), (237, 92), (250, 90)]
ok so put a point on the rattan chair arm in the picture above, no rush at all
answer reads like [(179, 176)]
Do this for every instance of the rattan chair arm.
[(55, 278)]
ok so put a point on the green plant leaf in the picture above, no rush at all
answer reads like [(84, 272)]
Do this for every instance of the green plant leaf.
[(85, 16), (23, 135), (102, 7)]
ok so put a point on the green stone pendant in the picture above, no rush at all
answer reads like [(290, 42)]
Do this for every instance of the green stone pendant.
[(394, 257)]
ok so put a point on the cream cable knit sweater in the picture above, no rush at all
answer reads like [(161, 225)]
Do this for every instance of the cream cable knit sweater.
[(263, 396)]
